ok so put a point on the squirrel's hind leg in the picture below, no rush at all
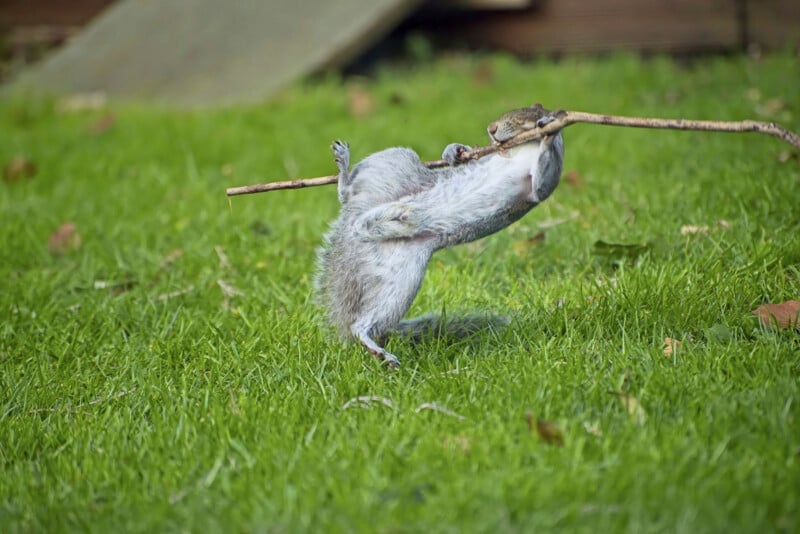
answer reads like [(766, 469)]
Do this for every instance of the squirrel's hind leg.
[(362, 335)]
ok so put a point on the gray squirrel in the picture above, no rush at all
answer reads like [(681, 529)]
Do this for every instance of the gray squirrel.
[(395, 213)]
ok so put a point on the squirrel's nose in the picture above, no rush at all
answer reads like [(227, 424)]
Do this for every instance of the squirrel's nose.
[(492, 128)]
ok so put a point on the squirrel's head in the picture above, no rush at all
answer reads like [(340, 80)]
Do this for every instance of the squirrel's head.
[(515, 122)]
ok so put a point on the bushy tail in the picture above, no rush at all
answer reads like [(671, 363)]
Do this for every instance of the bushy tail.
[(462, 326)]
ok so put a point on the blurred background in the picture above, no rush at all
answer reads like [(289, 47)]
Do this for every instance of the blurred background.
[(204, 52)]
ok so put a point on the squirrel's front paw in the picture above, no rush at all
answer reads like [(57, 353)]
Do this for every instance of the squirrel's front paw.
[(547, 119), (454, 153)]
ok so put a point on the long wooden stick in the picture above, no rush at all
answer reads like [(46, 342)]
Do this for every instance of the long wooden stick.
[(564, 119)]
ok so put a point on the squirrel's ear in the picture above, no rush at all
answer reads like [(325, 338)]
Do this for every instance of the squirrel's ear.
[(537, 106)]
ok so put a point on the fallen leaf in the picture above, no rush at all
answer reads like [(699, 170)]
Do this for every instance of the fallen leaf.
[(65, 239), (633, 407), (104, 123), (725, 225), (690, 229), (783, 315), (18, 169), (550, 432), (573, 178), (620, 250), (671, 346), (359, 100), (483, 73)]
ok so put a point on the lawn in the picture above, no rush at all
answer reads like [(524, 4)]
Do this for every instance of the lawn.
[(163, 367)]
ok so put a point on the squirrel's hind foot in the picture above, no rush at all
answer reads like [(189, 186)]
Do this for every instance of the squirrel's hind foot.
[(341, 154), (377, 351)]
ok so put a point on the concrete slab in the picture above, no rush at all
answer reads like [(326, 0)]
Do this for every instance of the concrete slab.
[(199, 52)]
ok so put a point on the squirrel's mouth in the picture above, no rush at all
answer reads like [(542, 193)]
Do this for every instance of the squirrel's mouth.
[(494, 139)]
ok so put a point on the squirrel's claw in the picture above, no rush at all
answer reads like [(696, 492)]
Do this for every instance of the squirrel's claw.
[(391, 361), (376, 350)]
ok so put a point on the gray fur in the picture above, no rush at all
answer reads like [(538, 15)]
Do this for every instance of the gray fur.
[(396, 213)]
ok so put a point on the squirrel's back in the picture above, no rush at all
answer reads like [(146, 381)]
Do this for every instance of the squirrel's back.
[(336, 286)]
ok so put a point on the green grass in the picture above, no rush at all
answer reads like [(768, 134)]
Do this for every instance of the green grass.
[(121, 410)]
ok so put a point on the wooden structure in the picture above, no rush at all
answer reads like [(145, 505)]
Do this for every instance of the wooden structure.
[(638, 25), (194, 52)]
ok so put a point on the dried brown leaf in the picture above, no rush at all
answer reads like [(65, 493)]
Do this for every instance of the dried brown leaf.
[(783, 315), (550, 432), (18, 169), (573, 178), (671, 346), (483, 73), (64, 240), (360, 101)]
